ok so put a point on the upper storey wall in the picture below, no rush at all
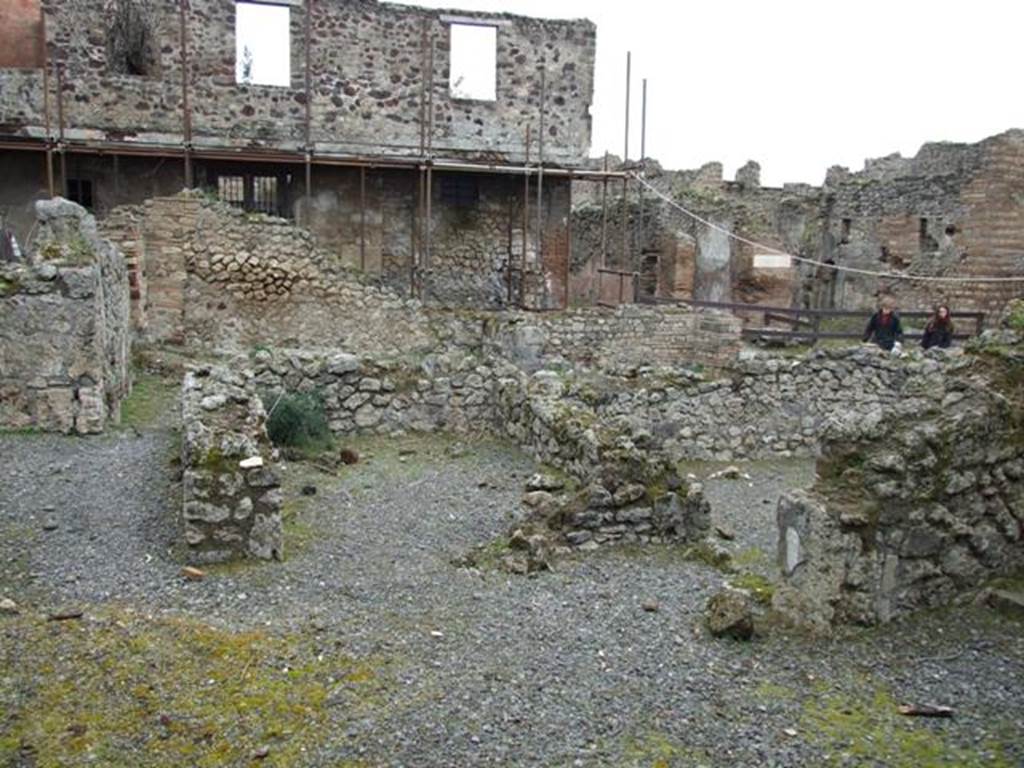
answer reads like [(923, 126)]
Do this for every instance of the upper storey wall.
[(369, 82)]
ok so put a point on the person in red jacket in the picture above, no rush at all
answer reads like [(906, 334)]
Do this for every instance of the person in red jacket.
[(884, 326), (939, 331)]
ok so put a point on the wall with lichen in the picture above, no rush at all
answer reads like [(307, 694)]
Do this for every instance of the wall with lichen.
[(231, 502), (65, 332), (915, 503)]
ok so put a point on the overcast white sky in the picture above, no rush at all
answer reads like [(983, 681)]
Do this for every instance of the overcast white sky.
[(797, 85)]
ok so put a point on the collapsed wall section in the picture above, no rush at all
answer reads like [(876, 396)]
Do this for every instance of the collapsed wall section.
[(914, 503), (65, 333)]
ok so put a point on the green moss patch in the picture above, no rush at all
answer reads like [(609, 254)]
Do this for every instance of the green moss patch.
[(152, 398), (866, 728), (119, 688)]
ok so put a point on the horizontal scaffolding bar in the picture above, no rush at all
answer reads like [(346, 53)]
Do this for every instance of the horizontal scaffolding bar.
[(299, 157)]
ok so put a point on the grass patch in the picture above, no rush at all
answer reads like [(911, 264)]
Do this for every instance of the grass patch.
[(654, 749), (758, 586), (868, 730), (151, 398), (123, 689)]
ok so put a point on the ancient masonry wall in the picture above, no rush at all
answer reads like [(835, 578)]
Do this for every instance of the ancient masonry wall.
[(231, 504), (765, 405), (913, 504), (217, 278), (64, 328), (369, 82), (220, 278), (627, 335), (953, 210), (630, 491)]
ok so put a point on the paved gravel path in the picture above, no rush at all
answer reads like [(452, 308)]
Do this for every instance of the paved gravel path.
[(482, 668)]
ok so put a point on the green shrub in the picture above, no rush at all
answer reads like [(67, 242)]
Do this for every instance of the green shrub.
[(297, 420)]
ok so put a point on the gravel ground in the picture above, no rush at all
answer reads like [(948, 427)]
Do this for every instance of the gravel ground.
[(473, 667)]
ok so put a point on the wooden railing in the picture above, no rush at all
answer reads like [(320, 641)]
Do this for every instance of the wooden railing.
[(806, 324)]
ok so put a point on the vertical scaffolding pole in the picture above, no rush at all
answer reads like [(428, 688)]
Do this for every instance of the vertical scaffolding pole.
[(428, 233), (568, 247), (60, 119), (604, 215), (46, 110), (417, 235), (423, 88), (625, 179), (362, 217), (526, 221), (309, 112), (540, 169), (185, 107), (642, 240)]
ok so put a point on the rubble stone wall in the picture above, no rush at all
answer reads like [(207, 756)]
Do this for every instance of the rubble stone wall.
[(369, 82), (65, 333), (913, 504), (629, 334), (220, 278), (231, 503), (769, 405)]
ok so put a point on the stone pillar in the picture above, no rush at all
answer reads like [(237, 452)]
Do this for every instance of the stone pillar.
[(231, 497)]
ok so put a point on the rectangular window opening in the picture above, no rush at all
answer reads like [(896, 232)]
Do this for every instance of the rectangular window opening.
[(845, 234), (80, 191), (474, 67), (262, 44), (460, 191)]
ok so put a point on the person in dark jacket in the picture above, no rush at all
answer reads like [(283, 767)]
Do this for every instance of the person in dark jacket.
[(939, 331), (884, 326)]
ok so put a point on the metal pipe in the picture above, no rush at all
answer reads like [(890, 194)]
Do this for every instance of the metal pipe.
[(511, 256), (568, 247), (417, 234), (60, 119), (629, 68), (526, 222), (308, 76), (625, 163), (423, 86), (604, 214), (430, 96), (362, 218), (46, 109), (642, 239), (186, 109), (540, 170), (296, 157), (428, 237)]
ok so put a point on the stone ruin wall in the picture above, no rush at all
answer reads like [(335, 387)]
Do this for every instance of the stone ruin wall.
[(217, 277), (952, 210), (914, 503), (367, 82), (213, 277), (65, 334), (231, 501)]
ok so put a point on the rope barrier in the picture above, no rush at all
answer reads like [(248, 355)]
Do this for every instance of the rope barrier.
[(838, 268)]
